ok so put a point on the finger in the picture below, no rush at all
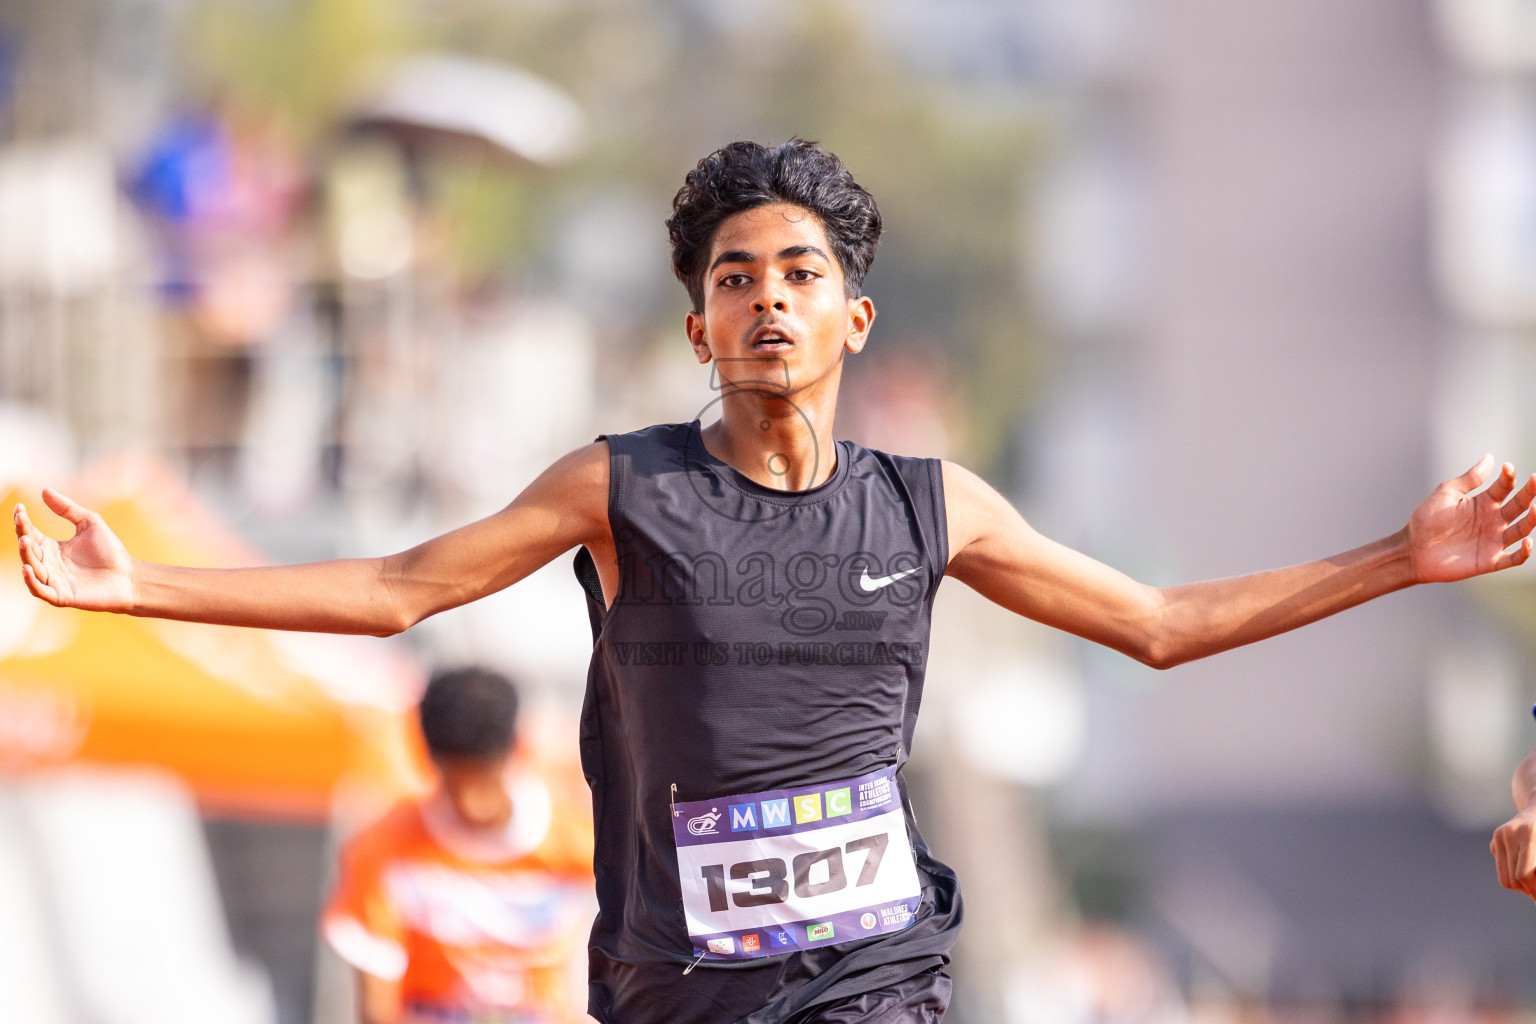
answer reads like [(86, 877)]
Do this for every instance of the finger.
[(1517, 840), (1516, 850), (1468, 482), (1523, 863), (1496, 847), (1518, 530), (1503, 483), (24, 524), (1503, 857), (1513, 508), (30, 554), (35, 557), (1514, 556), (1506, 857), (1524, 881), (68, 508), (37, 588)]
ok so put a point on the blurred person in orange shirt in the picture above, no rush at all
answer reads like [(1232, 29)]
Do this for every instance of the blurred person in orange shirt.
[(471, 904)]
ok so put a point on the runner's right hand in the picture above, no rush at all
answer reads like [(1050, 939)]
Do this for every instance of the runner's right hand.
[(91, 570)]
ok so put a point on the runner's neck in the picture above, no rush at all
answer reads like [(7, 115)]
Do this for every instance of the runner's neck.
[(775, 442)]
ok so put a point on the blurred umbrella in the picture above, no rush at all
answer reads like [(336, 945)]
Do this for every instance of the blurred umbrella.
[(458, 102), (256, 722)]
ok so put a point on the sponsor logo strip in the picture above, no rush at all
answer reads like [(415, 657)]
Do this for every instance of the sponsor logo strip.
[(822, 931), (776, 812)]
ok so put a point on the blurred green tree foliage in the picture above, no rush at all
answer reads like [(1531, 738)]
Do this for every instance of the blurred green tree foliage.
[(304, 58), (665, 81)]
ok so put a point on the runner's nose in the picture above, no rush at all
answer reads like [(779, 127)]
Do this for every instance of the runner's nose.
[(769, 297)]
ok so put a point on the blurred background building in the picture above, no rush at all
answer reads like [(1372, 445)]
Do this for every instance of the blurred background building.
[(1204, 287)]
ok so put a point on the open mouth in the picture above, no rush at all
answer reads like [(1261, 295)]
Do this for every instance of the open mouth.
[(771, 339)]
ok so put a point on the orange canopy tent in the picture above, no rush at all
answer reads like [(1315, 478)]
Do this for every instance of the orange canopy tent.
[(256, 722)]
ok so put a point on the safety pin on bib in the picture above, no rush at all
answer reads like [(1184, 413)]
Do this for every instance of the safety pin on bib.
[(673, 800)]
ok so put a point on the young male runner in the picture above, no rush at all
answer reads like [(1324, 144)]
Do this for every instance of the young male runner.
[(469, 904), (762, 597)]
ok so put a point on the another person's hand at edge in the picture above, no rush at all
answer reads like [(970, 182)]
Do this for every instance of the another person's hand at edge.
[(1514, 842)]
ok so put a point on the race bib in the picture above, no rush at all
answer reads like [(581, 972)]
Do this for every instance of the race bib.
[(766, 873)]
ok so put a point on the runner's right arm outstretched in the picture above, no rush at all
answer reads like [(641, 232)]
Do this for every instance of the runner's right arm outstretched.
[(564, 507), (1460, 530)]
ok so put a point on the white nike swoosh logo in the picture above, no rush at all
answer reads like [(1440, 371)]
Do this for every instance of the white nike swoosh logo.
[(871, 584)]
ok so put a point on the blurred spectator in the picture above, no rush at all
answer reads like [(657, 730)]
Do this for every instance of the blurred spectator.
[(223, 191), (471, 904)]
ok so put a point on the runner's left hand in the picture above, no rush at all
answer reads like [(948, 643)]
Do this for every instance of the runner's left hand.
[(1455, 534)]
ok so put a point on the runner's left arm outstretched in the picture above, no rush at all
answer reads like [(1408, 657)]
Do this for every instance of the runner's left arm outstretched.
[(1455, 533)]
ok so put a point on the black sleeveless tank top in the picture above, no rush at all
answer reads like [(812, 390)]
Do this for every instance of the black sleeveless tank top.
[(758, 640)]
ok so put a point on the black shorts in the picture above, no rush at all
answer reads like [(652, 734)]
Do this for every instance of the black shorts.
[(918, 1000)]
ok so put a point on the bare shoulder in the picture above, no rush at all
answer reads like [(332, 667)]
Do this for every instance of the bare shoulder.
[(577, 480), (968, 500), (975, 512), (587, 465), (963, 486), (589, 458)]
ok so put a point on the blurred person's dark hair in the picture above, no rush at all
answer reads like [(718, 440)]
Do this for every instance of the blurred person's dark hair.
[(745, 175), (468, 712)]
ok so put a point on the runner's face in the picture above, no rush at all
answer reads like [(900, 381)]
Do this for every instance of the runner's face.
[(477, 789), (773, 296)]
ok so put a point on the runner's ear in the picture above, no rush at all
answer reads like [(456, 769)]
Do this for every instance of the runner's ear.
[(693, 326), (861, 317)]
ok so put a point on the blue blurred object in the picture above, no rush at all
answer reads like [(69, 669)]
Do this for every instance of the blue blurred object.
[(185, 171), (182, 180)]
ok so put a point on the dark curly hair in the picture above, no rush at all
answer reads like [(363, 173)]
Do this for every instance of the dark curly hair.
[(468, 712), (744, 175)]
